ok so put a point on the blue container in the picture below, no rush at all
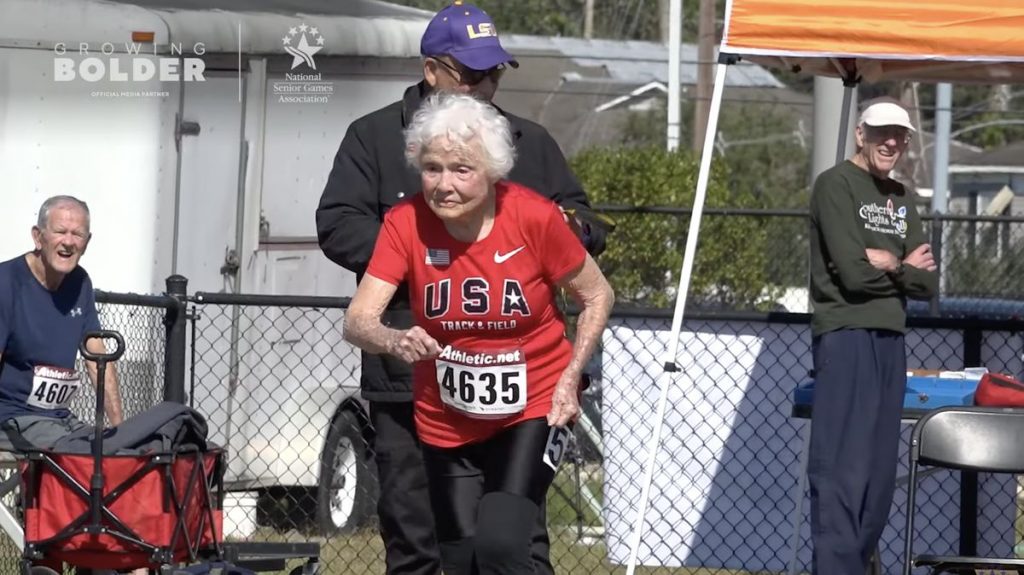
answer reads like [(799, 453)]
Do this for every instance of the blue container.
[(922, 392)]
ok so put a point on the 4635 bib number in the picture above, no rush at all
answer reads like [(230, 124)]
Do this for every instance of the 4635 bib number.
[(489, 387)]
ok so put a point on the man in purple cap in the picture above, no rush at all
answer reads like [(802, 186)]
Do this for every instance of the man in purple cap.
[(461, 53)]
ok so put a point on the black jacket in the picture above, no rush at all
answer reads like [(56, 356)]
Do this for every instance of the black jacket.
[(167, 427), (370, 175)]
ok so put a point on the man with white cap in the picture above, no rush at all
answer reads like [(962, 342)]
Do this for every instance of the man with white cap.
[(461, 53), (868, 255)]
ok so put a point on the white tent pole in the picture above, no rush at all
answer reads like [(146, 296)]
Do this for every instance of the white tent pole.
[(677, 322), (844, 122), (695, 216), (645, 491)]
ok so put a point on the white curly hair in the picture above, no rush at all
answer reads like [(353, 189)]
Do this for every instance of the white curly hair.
[(461, 119)]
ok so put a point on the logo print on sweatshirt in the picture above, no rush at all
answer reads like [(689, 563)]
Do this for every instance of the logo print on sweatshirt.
[(884, 219)]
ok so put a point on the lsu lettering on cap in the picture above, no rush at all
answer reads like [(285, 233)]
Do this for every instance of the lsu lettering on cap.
[(467, 34)]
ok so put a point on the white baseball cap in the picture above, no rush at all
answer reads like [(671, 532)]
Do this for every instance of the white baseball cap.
[(886, 114)]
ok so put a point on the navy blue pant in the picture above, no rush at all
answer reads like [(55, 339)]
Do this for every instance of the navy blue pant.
[(860, 379)]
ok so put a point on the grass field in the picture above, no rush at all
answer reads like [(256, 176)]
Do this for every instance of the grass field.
[(362, 552)]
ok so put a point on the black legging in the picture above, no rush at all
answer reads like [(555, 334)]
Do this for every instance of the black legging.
[(485, 498)]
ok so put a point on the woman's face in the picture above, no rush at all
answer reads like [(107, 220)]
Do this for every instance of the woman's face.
[(455, 183)]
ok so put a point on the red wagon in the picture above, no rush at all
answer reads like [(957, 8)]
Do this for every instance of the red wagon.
[(154, 510), (101, 511)]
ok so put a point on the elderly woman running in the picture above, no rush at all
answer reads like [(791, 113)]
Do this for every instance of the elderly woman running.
[(496, 381)]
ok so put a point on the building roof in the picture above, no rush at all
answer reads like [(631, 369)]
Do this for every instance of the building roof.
[(917, 171), (580, 89), (634, 62), (1009, 156), (348, 28)]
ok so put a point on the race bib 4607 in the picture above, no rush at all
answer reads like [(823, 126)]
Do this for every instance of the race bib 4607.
[(482, 384), (52, 387)]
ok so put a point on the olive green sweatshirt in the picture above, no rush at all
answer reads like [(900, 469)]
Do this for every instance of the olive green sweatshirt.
[(851, 210)]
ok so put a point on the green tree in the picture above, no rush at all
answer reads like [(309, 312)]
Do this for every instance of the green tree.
[(759, 143), (645, 254), (543, 18), (977, 106), (618, 19), (765, 160)]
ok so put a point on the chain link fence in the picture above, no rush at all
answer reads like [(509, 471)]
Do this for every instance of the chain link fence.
[(280, 389), (728, 494), (140, 319), (757, 260)]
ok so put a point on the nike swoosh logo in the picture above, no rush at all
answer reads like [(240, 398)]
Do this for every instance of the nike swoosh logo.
[(500, 258)]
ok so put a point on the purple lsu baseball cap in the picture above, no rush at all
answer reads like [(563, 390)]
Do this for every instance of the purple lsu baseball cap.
[(467, 34)]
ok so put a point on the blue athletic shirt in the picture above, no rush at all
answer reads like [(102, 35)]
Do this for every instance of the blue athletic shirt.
[(39, 328)]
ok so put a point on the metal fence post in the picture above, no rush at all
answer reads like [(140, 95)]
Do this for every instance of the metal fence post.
[(174, 356), (937, 230)]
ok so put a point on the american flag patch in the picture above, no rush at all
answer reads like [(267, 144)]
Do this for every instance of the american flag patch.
[(438, 257)]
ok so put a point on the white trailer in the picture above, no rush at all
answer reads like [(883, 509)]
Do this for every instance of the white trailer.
[(201, 140)]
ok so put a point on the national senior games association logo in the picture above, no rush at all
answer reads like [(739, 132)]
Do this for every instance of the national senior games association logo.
[(304, 84), (129, 69)]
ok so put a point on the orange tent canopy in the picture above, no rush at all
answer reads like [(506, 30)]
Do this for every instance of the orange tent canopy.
[(929, 40)]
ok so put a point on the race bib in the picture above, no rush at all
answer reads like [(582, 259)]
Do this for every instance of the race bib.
[(53, 387), (558, 444), (482, 384)]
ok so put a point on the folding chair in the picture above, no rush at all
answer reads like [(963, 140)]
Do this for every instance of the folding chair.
[(967, 439)]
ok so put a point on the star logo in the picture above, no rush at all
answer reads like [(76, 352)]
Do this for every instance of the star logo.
[(300, 48)]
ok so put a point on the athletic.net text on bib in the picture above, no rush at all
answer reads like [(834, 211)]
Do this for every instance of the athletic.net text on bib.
[(482, 384), (53, 387)]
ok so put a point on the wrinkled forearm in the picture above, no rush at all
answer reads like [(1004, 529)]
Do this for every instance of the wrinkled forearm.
[(369, 334), (589, 326)]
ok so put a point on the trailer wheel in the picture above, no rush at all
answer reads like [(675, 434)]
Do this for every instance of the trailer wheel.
[(345, 495)]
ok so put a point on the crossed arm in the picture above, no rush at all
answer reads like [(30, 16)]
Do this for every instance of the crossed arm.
[(916, 277)]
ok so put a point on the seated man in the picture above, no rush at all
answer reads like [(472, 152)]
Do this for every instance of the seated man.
[(46, 307)]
